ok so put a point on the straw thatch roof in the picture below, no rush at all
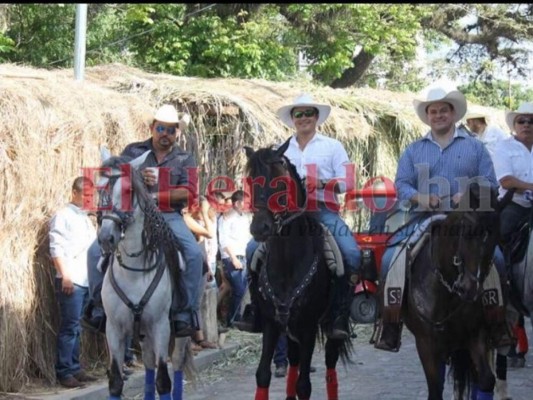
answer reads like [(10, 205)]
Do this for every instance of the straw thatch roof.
[(53, 126)]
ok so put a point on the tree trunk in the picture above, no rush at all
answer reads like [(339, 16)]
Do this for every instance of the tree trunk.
[(361, 62)]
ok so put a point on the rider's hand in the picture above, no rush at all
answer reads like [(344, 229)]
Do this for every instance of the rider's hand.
[(456, 199), (428, 202), (149, 177), (236, 263), (67, 286)]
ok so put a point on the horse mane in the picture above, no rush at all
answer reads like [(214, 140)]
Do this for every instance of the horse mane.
[(157, 235)]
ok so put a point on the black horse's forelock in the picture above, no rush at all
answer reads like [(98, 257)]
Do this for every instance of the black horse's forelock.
[(261, 163)]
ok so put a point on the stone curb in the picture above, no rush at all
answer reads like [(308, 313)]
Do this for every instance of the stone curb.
[(98, 390)]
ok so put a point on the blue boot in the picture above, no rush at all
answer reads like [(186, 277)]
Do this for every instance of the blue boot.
[(485, 395), (473, 392)]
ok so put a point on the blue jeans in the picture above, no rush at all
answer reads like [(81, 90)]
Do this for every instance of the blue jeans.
[(68, 337), (95, 277), (351, 254), (280, 354), (192, 276), (238, 281)]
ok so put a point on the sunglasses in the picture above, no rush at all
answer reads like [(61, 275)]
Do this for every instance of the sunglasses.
[(524, 121), (170, 130), (307, 113)]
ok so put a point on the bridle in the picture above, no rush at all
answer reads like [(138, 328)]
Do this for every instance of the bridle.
[(285, 217), (458, 263)]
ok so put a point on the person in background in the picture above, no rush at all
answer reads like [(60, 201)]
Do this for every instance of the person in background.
[(234, 234), (71, 234), (488, 134), (202, 223)]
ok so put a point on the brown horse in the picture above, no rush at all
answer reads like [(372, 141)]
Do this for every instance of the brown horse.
[(443, 308)]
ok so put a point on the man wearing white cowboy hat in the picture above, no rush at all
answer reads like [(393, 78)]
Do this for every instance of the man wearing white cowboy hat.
[(513, 163), (428, 175), (488, 134), (321, 160), (165, 129)]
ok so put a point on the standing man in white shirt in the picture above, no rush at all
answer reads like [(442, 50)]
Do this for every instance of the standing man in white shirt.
[(234, 235), (488, 134), (71, 234), (513, 164)]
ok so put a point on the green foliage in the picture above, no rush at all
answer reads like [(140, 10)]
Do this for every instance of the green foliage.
[(7, 46), (497, 93), (329, 34), (208, 45)]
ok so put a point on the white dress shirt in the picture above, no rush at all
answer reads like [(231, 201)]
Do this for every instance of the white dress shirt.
[(512, 158), (491, 136), (329, 157), (71, 234), (234, 232)]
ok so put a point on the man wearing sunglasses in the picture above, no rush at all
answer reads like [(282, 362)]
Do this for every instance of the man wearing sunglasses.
[(325, 165), (174, 164), (513, 164)]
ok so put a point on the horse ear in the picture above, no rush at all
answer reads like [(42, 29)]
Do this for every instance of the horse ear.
[(136, 162), (281, 149), (249, 151)]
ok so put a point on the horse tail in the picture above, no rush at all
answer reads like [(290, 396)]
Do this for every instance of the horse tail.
[(461, 368)]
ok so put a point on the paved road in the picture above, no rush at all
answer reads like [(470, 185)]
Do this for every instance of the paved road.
[(374, 375)]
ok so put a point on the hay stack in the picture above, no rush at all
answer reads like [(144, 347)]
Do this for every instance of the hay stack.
[(53, 126)]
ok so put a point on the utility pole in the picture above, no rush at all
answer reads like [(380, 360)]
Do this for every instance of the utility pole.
[(80, 39)]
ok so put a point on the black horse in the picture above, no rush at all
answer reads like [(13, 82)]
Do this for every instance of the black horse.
[(294, 281), (444, 307)]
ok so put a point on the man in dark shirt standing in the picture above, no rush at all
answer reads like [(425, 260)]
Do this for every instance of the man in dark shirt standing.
[(170, 175)]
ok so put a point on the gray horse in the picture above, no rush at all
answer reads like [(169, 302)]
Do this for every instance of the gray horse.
[(139, 282)]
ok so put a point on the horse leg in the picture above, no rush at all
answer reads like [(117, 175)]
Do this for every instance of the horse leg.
[(161, 332), (501, 375), (147, 349), (307, 346), (332, 356), (182, 359), (292, 375), (117, 347), (486, 379), (432, 364), (263, 373)]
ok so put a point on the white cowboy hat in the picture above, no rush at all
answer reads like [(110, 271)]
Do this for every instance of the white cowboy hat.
[(525, 108), (475, 115), (304, 100), (167, 113), (436, 95)]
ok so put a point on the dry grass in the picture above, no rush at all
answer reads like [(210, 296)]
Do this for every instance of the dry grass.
[(53, 126)]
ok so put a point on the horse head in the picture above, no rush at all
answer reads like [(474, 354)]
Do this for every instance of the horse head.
[(121, 201), (465, 241), (277, 192)]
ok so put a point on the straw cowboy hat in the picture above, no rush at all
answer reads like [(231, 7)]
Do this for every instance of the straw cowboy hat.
[(304, 100), (440, 95), (167, 113), (525, 108)]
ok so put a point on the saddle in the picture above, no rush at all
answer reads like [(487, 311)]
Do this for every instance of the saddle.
[(404, 255), (332, 254)]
